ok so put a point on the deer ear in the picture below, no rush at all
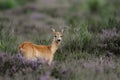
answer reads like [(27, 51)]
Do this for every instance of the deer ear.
[(62, 30), (53, 29)]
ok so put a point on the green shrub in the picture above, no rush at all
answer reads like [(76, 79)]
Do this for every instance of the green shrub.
[(76, 40), (95, 6), (7, 41), (7, 4), (100, 15), (22, 2), (113, 23), (80, 37)]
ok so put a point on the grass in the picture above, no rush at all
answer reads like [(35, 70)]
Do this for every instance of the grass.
[(90, 47), (7, 42)]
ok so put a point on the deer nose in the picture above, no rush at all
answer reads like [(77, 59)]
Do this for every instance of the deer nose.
[(58, 40)]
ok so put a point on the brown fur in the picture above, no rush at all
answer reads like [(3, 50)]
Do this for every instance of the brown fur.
[(32, 51)]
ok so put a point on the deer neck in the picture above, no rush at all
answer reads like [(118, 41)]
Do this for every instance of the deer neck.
[(54, 46)]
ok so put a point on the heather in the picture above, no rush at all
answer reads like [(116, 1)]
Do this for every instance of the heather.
[(90, 49)]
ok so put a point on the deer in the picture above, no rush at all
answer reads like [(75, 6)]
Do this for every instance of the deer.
[(31, 51)]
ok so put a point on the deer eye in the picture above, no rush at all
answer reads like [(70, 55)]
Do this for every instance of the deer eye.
[(61, 36), (55, 36)]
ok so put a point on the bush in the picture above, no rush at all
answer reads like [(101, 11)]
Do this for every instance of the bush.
[(110, 40), (15, 64), (22, 2), (76, 40), (79, 38), (7, 41), (96, 6), (7, 4)]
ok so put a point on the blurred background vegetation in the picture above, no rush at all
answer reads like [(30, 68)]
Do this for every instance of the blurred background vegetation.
[(92, 30)]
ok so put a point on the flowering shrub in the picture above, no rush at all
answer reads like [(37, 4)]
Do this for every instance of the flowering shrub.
[(17, 65), (13, 64), (110, 40)]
